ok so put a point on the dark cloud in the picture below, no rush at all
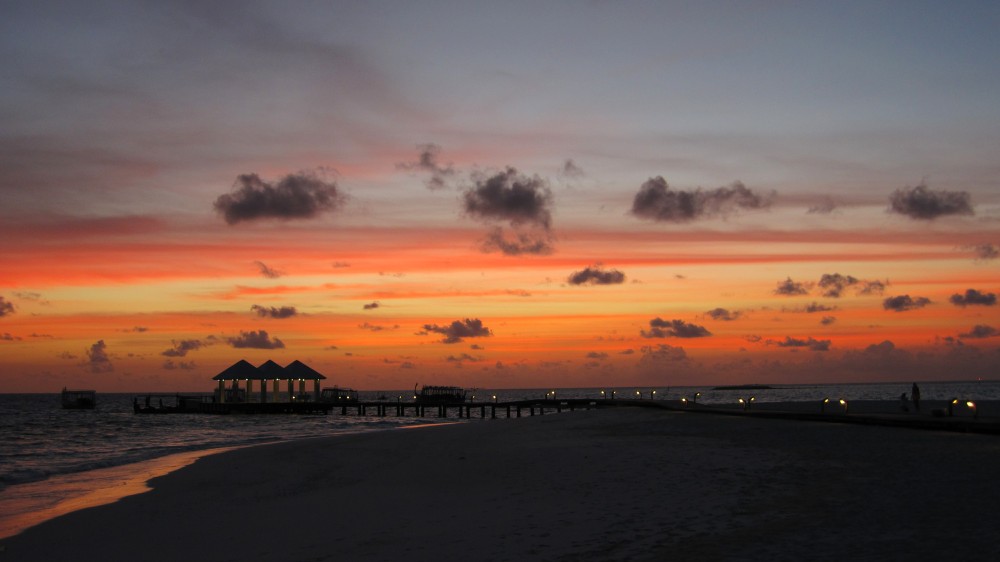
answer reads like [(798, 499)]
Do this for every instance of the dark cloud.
[(255, 340), (182, 347), (660, 328), (980, 331), (295, 196), (833, 284), (509, 196), (267, 271), (427, 161), (791, 288), (376, 327), (518, 242), (371, 306), (598, 355), (97, 358), (922, 203), (816, 307), (903, 303), (596, 275), (809, 343), (462, 358), (571, 170), (656, 201), (6, 307), (274, 312), (872, 287), (6, 336), (459, 329), (827, 320), (974, 297), (723, 314)]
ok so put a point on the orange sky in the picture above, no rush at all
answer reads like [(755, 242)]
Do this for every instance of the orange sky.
[(591, 197)]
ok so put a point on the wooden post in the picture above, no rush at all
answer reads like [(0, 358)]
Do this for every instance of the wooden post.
[(276, 388), (222, 391), (291, 390), (263, 391), (249, 390), (302, 387), (315, 390)]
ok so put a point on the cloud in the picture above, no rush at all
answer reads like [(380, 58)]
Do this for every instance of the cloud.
[(595, 275), (462, 358), (903, 303), (6, 307), (791, 288), (597, 355), (662, 353), (833, 284), (570, 170), (509, 196), (181, 348), (980, 331), (267, 271), (427, 161), (274, 312), (824, 207), (371, 306), (295, 196), (376, 327), (974, 297), (183, 365), (922, 203), (255, 340), (6, 336), (827, 320), (723, 314), (985, 252), (516, 243), (657, 202), (816, 307), (872, 287), (811, 343), (459, 329), (97, 358), (660, 328)]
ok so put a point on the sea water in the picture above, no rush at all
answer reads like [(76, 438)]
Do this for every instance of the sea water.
[(51, 457)]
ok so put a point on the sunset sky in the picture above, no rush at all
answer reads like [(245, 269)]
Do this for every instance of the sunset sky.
[(499, 194)]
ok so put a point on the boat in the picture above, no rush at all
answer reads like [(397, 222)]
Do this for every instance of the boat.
[(439, 395), (79, 399), (337, 395)]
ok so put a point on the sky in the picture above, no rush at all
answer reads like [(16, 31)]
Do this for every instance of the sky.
[(499, 194)]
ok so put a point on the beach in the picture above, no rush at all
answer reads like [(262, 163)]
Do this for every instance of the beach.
[(608, 484)]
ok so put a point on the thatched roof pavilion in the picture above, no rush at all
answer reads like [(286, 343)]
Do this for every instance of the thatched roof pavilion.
[(269, 371)]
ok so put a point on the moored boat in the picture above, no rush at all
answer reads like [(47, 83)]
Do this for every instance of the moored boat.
[(439, 395)]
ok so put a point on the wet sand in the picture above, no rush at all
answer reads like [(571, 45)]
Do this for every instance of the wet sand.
[(614, 484)]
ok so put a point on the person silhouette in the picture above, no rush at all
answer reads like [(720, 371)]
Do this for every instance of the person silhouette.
[(915, 396)]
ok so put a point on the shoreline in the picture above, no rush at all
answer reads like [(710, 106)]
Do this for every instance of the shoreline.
[(608, 484)]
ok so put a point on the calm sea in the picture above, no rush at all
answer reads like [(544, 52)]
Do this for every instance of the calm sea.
[(47, 452)]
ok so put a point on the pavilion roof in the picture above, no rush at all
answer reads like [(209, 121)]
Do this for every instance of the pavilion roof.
[(270, 370), (242, 369), (299, 370)]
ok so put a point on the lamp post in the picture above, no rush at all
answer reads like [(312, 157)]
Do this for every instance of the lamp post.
[(844, 404)]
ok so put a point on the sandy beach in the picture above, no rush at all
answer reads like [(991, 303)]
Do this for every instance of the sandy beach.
[(614, 484)]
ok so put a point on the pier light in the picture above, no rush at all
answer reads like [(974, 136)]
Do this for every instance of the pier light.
[(684, 401), (844, 404), (697, 395), (602, 394), (822, 405), (972, 406), (743, 403), (494, 398), (652, 394), (637, 394)]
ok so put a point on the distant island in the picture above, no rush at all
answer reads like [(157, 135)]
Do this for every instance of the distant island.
[(744, 387)]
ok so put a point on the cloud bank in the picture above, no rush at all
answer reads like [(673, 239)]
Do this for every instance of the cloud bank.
[(596, 275), (255, 340), (274, 312), (660, 328), (460, 329), (973, 297)]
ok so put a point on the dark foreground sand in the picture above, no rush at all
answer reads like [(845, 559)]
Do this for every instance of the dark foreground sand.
[(619, 484)]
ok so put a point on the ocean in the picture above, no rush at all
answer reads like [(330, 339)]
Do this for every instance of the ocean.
[(51, 457)]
